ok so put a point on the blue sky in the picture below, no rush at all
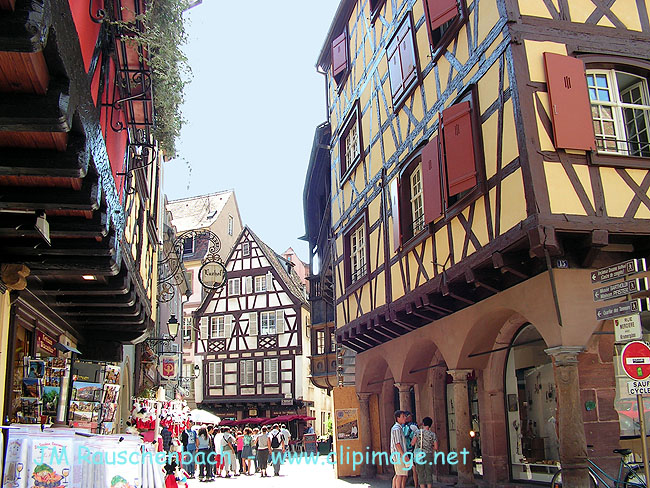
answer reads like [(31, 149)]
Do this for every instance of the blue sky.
[(252, 108)]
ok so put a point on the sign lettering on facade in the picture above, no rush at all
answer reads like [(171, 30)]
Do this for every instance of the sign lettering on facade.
[(620, 289), (45, 343), (624, 308), (618, 270), (628, 328), (212, 275)]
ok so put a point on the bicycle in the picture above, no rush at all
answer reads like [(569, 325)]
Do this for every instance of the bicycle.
[(630, 475)]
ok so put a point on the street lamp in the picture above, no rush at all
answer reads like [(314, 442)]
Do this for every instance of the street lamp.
[(172, 328)]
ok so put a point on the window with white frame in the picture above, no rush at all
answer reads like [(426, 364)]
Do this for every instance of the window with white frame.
[(358, 252), (234, 286), (246, 248), (203, 328), (332, 341), (215, 373), (231, 224), (217, 327), (621, 112), (187, 329), (268, 325), (271, 371), (248, 284), (417, 203), (260, 284), (247, 372)]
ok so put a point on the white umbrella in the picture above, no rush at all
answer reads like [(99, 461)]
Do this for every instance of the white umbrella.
[(203, 417)]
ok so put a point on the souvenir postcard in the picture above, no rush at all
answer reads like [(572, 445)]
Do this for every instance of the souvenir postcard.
[(84, 411), (35, 368), (87, 392), (50, 400), (32, 387), (108, 412), (112, 374), (111, 392), (31, 411), (57, 362)]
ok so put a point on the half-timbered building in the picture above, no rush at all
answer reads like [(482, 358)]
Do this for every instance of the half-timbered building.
[(252, 335), (485, 157), (201, 222)]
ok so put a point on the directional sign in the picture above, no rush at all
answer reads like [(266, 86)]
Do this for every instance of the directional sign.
[(628, 328), (618, 270), (635, 360), (623, 308), (620, 289), (638, 387)]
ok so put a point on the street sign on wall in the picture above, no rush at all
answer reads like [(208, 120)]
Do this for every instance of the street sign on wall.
[(635, 360), (638, 387), (618, 290), (628, 328), (618, 270), (624, 308)]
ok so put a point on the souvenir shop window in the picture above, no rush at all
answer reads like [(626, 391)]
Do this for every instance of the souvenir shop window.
[(531, 404), (24, 341)]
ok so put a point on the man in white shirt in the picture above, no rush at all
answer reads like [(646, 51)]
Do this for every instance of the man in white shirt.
[(276, 442), (397, 450), (286, 435)]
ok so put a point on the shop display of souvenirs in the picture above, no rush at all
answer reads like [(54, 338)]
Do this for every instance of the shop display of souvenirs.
[(112, 375), (52, 459)]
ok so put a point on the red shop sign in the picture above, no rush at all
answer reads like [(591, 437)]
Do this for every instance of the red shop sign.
[(45, 343)]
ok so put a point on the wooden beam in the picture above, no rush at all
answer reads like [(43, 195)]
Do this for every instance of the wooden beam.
[(115, 285), (72, 163), (506, 264), (480, 279), (446, 289), (24, 112), (598, 240), (30, 198), (68, 267)]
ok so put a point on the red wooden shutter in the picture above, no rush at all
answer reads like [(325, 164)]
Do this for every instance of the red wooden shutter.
[(395, 70), (459, 148), (394, 205), (440, 11), (339, 54), (431, 189), (407, 55), (570, 106)]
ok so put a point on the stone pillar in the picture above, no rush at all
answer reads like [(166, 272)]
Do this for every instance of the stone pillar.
[(405, 396), (573, 445), (365, 433), (463, 426)]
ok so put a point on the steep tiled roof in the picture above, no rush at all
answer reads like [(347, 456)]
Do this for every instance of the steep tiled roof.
[(292, 279), (198, 212)]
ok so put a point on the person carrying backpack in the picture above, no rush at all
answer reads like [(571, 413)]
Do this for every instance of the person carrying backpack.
[(276, 441)]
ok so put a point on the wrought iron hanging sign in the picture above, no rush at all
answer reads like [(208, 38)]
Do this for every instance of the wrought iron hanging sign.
[(212, 275)]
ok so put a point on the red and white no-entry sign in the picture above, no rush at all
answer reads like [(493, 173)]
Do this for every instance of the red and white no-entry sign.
[(636, 360)]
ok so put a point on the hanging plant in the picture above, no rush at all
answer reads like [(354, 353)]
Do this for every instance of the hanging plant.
[(160, 31)]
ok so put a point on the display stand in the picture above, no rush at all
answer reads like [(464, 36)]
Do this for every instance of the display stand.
[(74, 458)]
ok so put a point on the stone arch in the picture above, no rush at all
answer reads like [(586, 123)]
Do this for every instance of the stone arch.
[(495, 330)]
